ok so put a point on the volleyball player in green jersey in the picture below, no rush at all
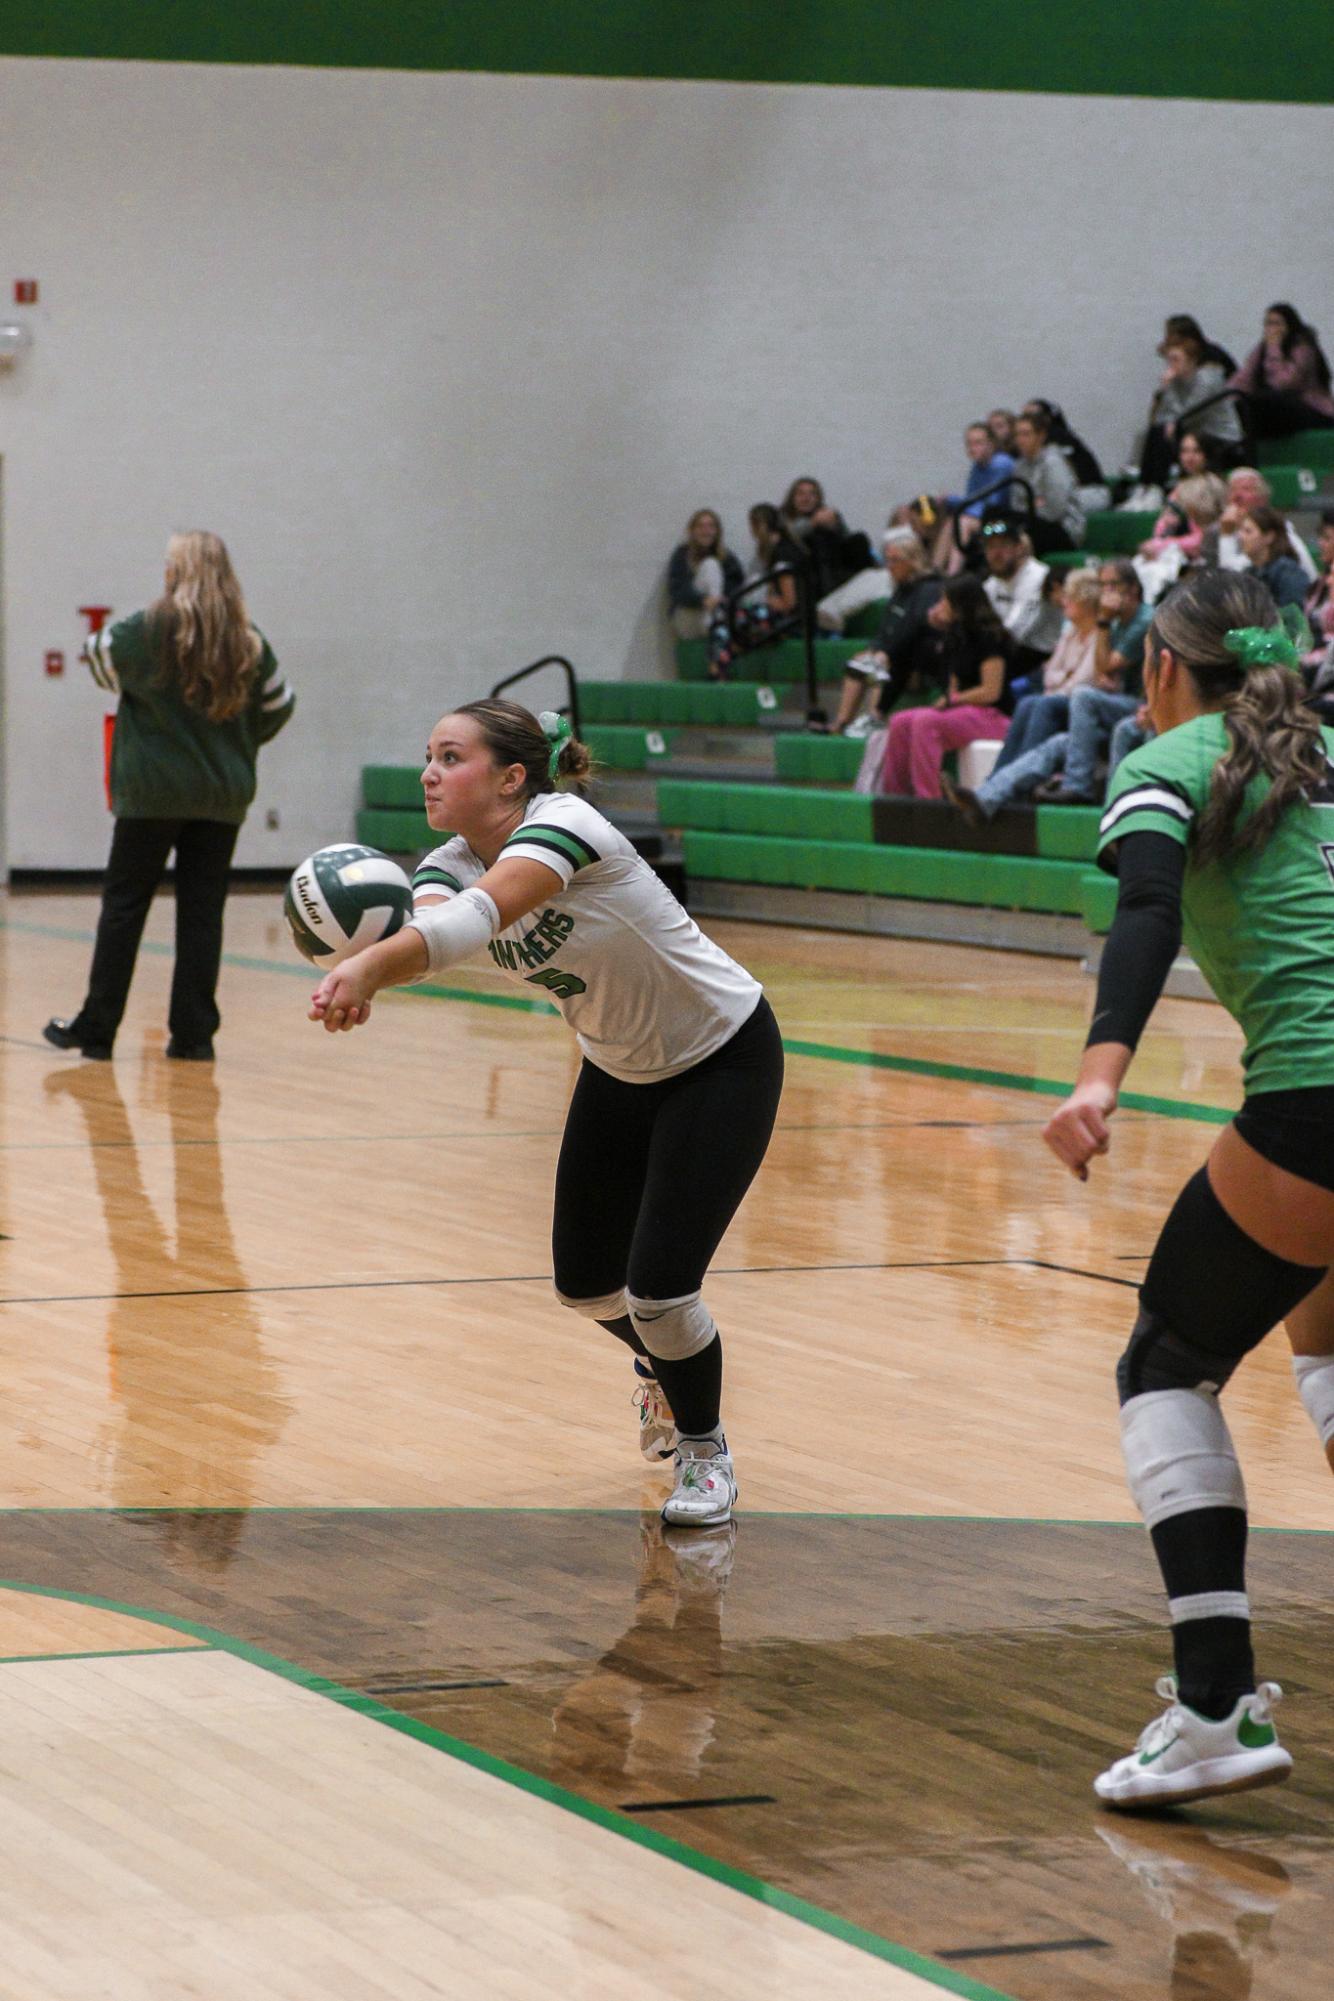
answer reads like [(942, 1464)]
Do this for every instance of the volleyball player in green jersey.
[(1226, 821)]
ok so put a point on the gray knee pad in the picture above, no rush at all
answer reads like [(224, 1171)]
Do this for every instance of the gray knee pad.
[(1315, 1381), (612, 1306), (672, 1328), (1179, 1454)]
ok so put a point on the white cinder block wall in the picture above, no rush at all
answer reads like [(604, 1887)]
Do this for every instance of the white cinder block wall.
[(449, 358)]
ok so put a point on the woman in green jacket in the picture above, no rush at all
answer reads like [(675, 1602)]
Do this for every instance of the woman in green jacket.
[(200, 691)]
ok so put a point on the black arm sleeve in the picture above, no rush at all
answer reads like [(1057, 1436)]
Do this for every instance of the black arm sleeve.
[(1144, 939)]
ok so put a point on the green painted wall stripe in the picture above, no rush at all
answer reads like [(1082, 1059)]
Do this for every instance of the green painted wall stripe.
[(826, 1052), (529, 1782), (1149, 48)]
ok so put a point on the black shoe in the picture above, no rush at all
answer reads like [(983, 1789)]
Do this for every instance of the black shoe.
[(963, 799), (190, 1052), (61, 1035)]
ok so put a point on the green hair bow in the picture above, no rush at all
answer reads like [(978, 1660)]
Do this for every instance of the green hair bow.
[(1280, 645), (557, 730)]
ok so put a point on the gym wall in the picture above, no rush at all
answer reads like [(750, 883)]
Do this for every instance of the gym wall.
[(449, 357)]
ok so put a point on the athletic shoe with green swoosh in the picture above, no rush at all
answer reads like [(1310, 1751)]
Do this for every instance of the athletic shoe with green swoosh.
[(1183, 1756)]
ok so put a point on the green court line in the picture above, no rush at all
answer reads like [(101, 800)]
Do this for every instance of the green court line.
[(825, 1052), (543, 1789), (105, 1654)]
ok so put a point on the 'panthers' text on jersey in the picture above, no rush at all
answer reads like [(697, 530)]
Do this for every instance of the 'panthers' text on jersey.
[(646, 993)]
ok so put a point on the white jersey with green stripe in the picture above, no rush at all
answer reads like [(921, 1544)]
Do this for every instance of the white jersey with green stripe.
[(646, 993), (1259, 923)]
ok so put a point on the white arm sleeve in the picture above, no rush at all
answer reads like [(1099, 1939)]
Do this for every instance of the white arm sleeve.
[(455, 930)]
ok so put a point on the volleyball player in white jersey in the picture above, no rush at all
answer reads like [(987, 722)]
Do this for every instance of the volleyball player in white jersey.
[(682, 1070)]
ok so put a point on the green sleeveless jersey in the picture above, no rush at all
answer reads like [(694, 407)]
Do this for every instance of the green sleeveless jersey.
[(1259, 924)]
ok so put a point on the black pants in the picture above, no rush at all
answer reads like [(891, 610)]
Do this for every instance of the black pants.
[(139, 853), (1048, 536), (650, 1175), (1277, 413)]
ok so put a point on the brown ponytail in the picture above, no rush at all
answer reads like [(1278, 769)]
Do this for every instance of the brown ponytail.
[(1271, 732), (513, 735)]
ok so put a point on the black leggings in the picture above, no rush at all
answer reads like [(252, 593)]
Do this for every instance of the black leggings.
[(650, 1175)]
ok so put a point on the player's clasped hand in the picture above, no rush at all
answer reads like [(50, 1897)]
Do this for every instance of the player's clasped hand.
[(342, 1000), (1079, 1130)]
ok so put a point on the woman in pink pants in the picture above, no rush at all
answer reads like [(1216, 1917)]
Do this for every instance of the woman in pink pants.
[(976, 656)]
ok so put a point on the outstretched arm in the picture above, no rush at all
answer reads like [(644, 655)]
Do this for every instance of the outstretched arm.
[(1137, 958), (442, 932)]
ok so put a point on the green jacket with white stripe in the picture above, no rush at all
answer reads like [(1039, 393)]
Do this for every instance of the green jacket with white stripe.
[(168, 761)]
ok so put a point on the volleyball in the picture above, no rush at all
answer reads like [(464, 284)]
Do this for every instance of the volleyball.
[(342, 899)]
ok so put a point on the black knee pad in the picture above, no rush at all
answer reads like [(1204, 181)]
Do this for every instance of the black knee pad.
[(1210, 1295)]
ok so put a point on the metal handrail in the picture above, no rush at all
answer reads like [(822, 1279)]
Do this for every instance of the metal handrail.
[(571, 682), (997, 487), (800, 574), (1241, 396)]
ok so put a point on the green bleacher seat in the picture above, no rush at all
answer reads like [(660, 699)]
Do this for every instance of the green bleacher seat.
[(396, 830), (783, 664), (391, 785), (788, 810), (1114, 532), (720, 704), (1293, 485), (1001, 882), (865, 624), (819, 760), (1307, 448)]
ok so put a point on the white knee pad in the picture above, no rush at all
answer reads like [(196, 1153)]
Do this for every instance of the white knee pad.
[(672, 1328), (1315, 1382), (612, 1306), (1179, 1454)]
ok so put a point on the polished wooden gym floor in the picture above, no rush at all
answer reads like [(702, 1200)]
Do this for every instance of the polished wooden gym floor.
[(341, 1650)]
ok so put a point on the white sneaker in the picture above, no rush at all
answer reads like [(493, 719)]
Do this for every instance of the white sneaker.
[(705, 1490), (657, 1426), (1182, 1756)]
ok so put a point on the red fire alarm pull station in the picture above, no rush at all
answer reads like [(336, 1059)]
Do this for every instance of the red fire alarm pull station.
[(96, 615), (55, 660), (25, 291)]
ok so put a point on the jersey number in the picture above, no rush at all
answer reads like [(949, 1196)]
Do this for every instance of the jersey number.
[(564, 985), (1327, 855)]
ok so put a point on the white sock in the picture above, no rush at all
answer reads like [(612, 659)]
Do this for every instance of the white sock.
[(702, 1444)]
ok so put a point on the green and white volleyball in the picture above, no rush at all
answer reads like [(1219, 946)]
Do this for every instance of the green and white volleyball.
[(342, 899)]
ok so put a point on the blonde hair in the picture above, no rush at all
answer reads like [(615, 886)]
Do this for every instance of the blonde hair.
[(208, 644), (1201, 498), (1084, 586)]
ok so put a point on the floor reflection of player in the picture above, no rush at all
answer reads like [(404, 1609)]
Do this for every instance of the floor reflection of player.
[(196, 1399), (1220, 1903), (640, 1724)]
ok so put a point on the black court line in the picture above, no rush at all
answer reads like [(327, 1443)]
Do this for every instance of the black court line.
[(683, 1806), (534, 1278), (1013, 1951), (427, 1687), (1077, 1271)]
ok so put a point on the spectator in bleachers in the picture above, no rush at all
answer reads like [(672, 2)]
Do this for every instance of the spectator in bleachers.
[(1073, 664), (1318, 663), (1247, 488), (1287, 378), (1091, 488), (1000, 423), (1184, 326), (1193, 507), (833, 552), (1196, 455), (1016, 583), (974, 659), (1095, 709), (904, 646), (987, 464), (1059, 522), (1263, 535), (701, 573), (772, 609), (1188, 382)]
